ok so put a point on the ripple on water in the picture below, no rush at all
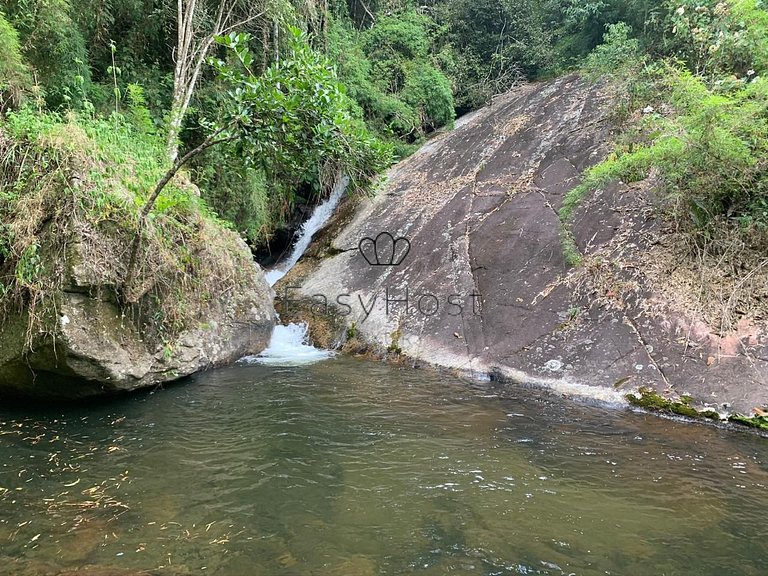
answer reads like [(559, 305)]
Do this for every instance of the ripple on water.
[(360, 468)]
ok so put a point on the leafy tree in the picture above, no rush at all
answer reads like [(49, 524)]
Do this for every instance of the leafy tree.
[(390, 72), (293, 120), (577, 26), (428, 91), (496, 42), (401, 35)]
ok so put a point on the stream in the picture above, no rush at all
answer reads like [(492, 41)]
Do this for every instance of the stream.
[(351, 467), (300, 462)]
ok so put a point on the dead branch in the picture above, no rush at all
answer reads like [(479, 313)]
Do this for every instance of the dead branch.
[(193, 45)]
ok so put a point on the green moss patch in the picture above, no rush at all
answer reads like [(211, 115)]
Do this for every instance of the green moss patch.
[(649, 399), (759, 422)]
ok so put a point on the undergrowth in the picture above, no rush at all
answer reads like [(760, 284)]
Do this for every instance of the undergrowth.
[(697, 123), (70, 191), (708, 145), (694, 118)]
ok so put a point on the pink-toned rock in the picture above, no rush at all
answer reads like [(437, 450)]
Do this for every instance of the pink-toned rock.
[(488, 288)]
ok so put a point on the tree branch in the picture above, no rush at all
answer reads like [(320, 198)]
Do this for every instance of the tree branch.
[(211, 140), (207, 143), (239, 23), (192, 49), (367, 11)]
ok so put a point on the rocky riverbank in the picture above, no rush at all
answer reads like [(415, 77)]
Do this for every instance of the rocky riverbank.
[(72, 325), (459, 262)]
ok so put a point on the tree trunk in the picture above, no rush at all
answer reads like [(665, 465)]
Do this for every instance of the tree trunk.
[(275, 43), (192, 49), (126, 296)]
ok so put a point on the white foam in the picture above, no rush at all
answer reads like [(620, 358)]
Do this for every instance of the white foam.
[(320, 216), (592, 393), (288, 347)]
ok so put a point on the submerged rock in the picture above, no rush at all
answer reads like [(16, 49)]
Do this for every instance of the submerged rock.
[(475, 278)]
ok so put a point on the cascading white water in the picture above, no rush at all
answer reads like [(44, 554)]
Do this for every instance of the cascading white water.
[(319, 217), (288, 344), (288, 347)]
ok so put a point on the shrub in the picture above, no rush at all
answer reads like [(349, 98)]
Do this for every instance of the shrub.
[(238, 193), (618, 52), (388, 72), (719, 38), (429, 91), (711, 152), (403, 35), (496, 42)]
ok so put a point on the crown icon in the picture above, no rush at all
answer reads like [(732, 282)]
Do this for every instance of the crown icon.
[(385, 250)]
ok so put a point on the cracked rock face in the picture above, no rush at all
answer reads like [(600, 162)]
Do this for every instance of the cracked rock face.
[(484, 287)]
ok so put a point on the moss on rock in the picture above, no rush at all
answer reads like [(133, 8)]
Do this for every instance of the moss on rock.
[(759, 422), (71, 191), (649, 399)]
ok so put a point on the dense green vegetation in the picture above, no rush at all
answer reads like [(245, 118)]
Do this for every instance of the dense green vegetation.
[(366, 83), (64, 177), (694, 105)]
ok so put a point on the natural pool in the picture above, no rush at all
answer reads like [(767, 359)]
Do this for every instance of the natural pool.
[(347, 467)]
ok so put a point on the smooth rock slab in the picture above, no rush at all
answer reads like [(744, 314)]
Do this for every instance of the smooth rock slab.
[(488, 289)]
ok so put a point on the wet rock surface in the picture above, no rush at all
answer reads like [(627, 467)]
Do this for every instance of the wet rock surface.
[(488, 289)]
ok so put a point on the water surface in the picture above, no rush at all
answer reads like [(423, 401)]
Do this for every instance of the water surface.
[(348, 467)]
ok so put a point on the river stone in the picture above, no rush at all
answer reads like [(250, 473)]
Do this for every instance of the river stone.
[(479, 206), (97, 350)]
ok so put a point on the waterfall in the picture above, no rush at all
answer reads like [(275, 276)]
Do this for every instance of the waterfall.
[(319, 217), (288, 345)]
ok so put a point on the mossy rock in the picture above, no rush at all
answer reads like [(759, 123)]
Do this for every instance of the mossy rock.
[(649, 399), (197, 299), (759, 422)]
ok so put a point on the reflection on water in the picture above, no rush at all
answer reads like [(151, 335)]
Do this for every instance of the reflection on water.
[(354, 468)]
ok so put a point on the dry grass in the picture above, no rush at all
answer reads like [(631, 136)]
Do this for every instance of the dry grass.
[(28, 207), (67, 221), (722, 283)]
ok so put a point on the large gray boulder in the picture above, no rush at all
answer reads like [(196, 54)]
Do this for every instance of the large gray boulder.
[(488, 289), (92, 345)]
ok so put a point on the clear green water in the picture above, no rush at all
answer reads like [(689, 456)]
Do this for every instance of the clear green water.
[(354, 468)]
